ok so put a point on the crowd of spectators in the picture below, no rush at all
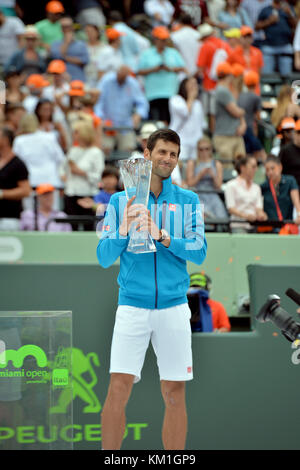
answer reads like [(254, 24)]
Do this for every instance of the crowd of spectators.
[(87, 81)]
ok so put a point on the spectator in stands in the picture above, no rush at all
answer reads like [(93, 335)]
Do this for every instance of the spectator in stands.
[(296, 42), (91, 11), (187, 118), (13, 80), (290, 155), (44, 111), (230, 122), (28, 60), (160, 66), (11, 33), (248, 56), (212, 51), (45, 196), (40, 152), (286, 129), (81, 171), (285, 106), (186, 39), (35, 84), (253, 9), (221, 323), (278, 22), (214, 8), (109, 186), (110, 57), (72, 51), (251, 103), (243, 197), (49, 29), (10, 7), (286, 190), (233, 16), (205, 176), (94, 45), (120, 87), (130, 46), (14, 184), (232, 37), (160, 11), (13, 116), (197, 9)]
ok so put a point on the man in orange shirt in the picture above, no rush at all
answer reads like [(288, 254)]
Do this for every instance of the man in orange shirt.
[(213, 51), (220, 318), (248, 56)]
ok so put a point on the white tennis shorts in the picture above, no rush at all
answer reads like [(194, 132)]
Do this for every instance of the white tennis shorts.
[(170, 333)]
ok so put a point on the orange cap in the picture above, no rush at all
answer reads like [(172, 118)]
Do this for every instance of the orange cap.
[(224, 69), (245, 30), (237, 70), (45, 188), (55, 7), (297, 125), (251, 78), (37, 81), (56, 66), (287, 123), (160, 32), (76, 88), (113, 34)]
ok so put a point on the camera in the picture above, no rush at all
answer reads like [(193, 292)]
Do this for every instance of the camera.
[(272, 311)]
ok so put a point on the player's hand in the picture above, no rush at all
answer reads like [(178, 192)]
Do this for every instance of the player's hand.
[(146, 223), (130, 215)]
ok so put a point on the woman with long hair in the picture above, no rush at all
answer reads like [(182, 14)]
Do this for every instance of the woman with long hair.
[(233, 16), (187, 117), (205, 175), (285, 107), (44, 111), (243, 197)]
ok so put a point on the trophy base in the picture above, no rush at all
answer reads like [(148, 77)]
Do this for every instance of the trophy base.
[(139, 245)]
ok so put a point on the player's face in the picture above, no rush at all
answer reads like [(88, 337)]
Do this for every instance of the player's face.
[(164, 158)]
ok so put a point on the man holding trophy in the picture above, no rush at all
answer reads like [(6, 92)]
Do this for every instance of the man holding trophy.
[(155, 227)]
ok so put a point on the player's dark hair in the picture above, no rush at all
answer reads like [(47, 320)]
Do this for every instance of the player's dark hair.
[(273, 158), (166, 135)]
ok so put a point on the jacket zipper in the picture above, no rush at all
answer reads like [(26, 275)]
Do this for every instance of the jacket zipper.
[(155, 259)]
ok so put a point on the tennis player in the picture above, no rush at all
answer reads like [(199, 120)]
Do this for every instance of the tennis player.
[(153, 288)]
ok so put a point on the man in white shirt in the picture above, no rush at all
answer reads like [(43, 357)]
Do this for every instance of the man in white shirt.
[(186, 40), (161, 11), (11, 31), (110, 57)]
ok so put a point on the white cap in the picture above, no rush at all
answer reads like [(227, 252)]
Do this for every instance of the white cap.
[(205, 30), (147, 129)]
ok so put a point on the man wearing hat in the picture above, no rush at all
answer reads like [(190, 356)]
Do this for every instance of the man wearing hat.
[(50, 28), (212, 51), (160, 66), (72, 51), (45, 197), (28, 60), (110, 57), (286, 129), (230, 123), (248, 56), (11, 31), (35, 83)]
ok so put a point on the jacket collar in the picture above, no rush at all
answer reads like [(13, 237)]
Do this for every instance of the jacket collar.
[(166, 187)]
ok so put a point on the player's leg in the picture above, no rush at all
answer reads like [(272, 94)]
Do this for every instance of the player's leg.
[(175, 420), (113, 414)]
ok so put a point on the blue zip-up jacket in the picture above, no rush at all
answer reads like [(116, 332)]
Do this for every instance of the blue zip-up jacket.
[(156, 280)]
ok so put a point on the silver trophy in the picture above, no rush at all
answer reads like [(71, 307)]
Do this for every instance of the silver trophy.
[(136, 176)]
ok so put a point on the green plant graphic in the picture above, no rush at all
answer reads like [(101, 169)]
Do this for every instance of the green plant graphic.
[(17, 357)]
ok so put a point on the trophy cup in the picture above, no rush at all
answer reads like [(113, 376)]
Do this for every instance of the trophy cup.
[(136, 176)]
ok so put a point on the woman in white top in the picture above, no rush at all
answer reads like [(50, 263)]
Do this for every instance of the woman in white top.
[(94, 46), (243, 197), (82, 171), (187, 118)]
